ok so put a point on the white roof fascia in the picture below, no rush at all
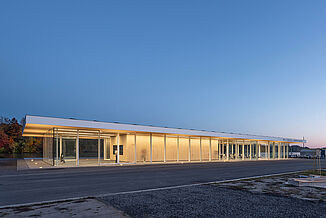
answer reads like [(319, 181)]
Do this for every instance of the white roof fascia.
[(142, 128)]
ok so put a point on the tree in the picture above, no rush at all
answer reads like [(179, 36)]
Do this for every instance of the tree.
[(4, 141), (12, 141)]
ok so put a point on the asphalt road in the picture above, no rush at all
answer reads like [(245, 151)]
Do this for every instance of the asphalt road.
[(52, 184)]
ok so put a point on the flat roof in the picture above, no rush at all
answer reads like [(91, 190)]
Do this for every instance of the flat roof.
[(38, 125)]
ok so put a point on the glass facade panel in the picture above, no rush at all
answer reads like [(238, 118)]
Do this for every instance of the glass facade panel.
[(205, 149), (171, 149), (158, 148), (123, 154), (195, 149), (48, 148), (143, 147), (130, 148), (214, 144), (183, 149)]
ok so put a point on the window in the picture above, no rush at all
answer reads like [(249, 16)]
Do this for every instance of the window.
[(120, 149)]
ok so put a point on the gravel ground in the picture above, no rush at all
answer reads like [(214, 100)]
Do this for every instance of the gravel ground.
[(68, 209), (213, 201)]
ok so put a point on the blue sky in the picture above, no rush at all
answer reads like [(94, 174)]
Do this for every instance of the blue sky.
[(237, 66)]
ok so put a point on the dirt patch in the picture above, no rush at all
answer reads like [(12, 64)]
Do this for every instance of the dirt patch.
[(278, 185)]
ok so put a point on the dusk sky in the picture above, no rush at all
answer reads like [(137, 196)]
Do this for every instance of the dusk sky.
[(254, 67)]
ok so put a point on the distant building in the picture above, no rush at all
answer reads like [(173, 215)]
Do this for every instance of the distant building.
[(312, 153)]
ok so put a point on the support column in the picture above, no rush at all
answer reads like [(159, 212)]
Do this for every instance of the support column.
[(77, 148), (151, 147), (189, 150), (268, 151), (104, 148), (210, 149), (135, 148), (284, 150), (118, 148), (57, 149), (287, 151), (98, 148), (178, 149), (258, 154), (60, 153), (200, 147), (232, 149), (164, 148), (273, 150), (222, 149), (227, 150), (279, 150), (243, 150), (250, 150), (218, 150)]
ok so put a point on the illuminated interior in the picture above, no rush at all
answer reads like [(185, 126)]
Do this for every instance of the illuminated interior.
[(67, 145)]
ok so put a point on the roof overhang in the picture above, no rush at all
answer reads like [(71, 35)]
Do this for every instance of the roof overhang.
[(39, 125)]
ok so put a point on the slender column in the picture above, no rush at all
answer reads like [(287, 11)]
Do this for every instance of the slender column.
[(273, 150), (57, 149), (178, 149), (164, 148), (279, 150), (222, 149), (104, 148), (200, 152), (135, 148), (227, 150), (268, 151), (232, 149), (218, 150), (189, 150), (77, 148), (118, 148), (258, 145), (250, 150), (151, 147), (287, 151), (99, 148), (238, 150), (284, 150), (243, 153), (210, 149), (60, 147)]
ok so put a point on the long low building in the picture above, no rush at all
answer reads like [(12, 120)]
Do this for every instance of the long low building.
[(72, 142)]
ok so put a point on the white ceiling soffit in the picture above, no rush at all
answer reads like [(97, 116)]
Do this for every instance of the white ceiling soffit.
[(141, 128)]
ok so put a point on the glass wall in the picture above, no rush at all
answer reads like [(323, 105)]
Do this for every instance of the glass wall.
[(48, 153), (172, 148), (184, 149), (71, 147), (215, 149), (205, 148), (143, 147), (195, 149), (158, 143)]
